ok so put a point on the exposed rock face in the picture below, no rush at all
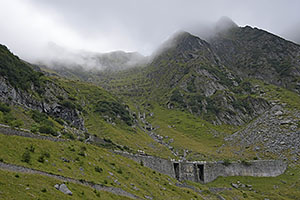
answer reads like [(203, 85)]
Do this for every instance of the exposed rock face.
[(52, 107), (276, 131)]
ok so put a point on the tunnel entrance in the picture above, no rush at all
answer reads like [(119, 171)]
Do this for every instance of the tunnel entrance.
[(176, 170), (201, 172)]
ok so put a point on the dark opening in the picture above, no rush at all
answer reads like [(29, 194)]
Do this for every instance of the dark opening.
[(201, 172), (176, 169)]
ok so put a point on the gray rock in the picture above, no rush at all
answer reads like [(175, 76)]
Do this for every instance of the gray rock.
[(236, 186), (63, 188), (148, 197), (56, 186)]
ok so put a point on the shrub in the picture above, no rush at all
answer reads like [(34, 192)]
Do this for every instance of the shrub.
[(120, 171), (68, 104), (44, 190), (26, 156), (31, 148), (38, 116), (41, 159), (114, 109), (1, 160), (81, 153), (34, 128), (47, 130), (246, 163), (142, 163), (46, 154), (98, 169), (17, 123), (226, 162), (4, 108)]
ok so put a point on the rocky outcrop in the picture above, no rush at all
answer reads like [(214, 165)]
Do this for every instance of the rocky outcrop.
[(48, 104)]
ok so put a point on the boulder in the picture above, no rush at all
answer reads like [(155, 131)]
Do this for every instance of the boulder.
[(63, 188)]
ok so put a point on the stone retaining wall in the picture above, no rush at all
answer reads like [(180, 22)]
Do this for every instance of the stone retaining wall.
[(204, 172)]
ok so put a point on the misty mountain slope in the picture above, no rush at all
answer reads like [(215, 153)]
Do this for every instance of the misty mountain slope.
[(191, 77), (251, 52), (81, 64), (69, 109)]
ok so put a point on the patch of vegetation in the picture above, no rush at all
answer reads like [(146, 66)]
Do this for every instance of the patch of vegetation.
[(246, 163), (19, 74), (4, 108), (226, 162), (48, 130), (114, 110), (26, 157)]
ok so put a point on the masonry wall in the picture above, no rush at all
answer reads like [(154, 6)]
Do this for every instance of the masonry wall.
[(205, 172), (161, 165), (260, 168)]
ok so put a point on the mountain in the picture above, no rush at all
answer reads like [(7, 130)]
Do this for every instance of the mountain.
[(251, 52), (78, 64), (224, 100)]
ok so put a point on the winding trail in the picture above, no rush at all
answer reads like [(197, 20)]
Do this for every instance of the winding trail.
[(114, 190)]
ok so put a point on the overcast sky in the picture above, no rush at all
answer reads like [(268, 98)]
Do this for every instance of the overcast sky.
[(27, 27)]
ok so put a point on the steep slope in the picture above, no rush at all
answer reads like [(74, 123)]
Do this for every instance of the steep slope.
[(255, 53), (192, 77)]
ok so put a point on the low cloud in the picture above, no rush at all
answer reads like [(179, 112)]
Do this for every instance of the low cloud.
[(28, 26)]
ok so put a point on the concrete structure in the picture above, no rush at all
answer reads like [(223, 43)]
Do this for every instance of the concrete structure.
[(204, 172)]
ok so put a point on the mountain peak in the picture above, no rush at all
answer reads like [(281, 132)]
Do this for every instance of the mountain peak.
[(224, 24)]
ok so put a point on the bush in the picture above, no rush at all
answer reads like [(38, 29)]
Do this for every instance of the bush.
[(114, 109), (120, 171), (246, 163), (81, 153), (38, 116), (4, 108), (34, 128), (47, 130), (31, 148), (226, 162), (98, 169), (44, 190), (68, 104), (17, 123), (26, 156), (41, 159)]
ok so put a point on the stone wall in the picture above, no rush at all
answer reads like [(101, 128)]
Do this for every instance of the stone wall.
[(208, 171), (259, 168), (161, 165), (204, 172)]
